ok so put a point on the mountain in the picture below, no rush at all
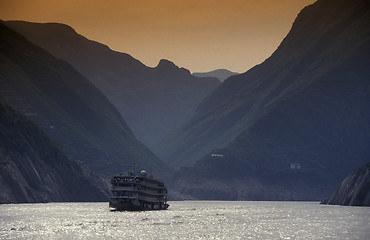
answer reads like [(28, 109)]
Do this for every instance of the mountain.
[(220, 74), (69, 108), (153, 101), (34, 169), (291, 127), (354, 190)]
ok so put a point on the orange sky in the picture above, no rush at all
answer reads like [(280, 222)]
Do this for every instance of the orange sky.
[(200, 35)]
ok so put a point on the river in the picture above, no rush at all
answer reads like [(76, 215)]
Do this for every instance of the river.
[(186, 220)]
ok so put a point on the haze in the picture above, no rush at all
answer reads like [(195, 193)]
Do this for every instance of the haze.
[(198, 35)]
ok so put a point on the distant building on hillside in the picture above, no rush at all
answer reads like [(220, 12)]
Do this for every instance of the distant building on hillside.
[(216, 155), (295, 166)]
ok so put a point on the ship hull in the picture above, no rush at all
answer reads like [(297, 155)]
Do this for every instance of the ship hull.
[(134, 205)]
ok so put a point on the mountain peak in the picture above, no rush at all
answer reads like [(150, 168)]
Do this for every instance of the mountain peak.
[(164, 63), (168, 66)]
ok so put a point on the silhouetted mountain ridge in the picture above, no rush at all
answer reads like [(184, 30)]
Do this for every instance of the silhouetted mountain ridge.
[(220, 74), (153, 101), (69, 108)]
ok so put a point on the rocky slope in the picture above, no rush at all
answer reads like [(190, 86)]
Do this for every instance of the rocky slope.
[(34, 169), (291, 127), (69, 108), (354, 190), (153, 101)]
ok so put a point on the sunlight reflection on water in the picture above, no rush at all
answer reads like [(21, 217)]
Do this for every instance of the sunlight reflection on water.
[(186, 220)]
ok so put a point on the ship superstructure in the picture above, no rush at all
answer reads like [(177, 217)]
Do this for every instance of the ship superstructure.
[(131, 192)]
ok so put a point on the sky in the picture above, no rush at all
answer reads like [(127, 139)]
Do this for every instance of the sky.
[(200, 35)]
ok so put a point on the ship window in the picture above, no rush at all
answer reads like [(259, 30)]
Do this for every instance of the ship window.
[(125, 185)]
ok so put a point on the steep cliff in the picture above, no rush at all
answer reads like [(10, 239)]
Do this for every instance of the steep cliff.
[(291, 127), (354, 190), (34, 169)]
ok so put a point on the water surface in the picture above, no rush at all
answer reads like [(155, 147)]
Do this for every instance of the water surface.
[(186, 220)]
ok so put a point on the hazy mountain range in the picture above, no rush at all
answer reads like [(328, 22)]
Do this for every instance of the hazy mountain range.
[(153, 101), (220, 74), (288, 129), (69, 108), (307, 107)]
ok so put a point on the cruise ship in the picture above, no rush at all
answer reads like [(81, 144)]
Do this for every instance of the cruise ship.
[(137, 193)]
